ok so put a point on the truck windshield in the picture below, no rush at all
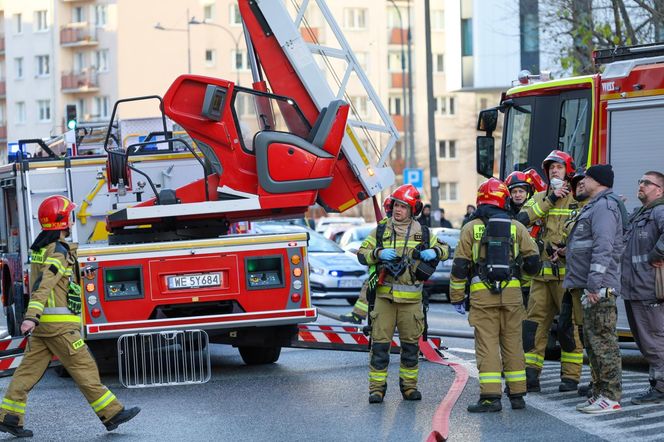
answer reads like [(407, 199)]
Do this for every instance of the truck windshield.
[(517, 138)]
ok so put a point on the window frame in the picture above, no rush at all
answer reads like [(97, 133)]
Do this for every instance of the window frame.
[(44, 107)]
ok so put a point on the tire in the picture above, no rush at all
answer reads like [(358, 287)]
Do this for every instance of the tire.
[(259, 355), (352, 300), (15, 310)]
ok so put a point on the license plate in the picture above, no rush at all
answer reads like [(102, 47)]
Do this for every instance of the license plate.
[(350, 283), (194, 281)]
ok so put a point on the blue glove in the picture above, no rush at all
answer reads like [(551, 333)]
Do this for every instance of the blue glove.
[(428, 255), (387, 254), (460, 308)]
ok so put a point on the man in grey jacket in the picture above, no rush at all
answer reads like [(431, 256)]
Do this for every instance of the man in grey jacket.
[(594, 249), (644, 252)]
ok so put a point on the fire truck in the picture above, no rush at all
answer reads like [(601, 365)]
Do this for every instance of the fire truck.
[(612, 117), (154, 211)]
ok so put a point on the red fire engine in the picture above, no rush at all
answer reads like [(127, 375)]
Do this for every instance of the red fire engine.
[(153, 215), (612, 117)]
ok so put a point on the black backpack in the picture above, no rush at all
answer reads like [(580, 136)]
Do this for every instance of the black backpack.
[(497, 267)]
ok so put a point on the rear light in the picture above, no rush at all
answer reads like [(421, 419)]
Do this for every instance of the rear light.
[(297, 285), (90, 287), (26, 280), (91, 258), (295, 297), (95, 313), (297, 272), (295, 259), (92, 300)]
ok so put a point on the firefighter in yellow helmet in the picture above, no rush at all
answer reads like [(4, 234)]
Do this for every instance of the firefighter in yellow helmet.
[(493, 253), (551, 210), (404, 258), (53, 323)]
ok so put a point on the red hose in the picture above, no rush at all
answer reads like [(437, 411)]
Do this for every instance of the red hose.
[(440, 423)]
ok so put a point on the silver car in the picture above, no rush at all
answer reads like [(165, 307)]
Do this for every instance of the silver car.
[(333, 272)]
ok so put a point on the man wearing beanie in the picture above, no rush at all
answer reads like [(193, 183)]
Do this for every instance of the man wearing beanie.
[(594, 250)]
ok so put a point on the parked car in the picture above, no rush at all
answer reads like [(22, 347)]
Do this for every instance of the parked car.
[(333, 273), (438, 286), (352, 239), (336, 231), (327, 221)]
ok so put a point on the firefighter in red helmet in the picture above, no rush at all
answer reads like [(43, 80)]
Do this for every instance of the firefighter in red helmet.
[(53, 322), (520, 188), (493, 253), (405, 254), (361, 306), (551, 210)]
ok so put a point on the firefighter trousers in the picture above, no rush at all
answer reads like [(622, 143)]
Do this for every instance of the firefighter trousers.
[(408, 318), (73, 353), (498, 348), (544, 303)]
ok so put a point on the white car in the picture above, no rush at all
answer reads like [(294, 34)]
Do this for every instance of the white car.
[(326, 222), (352, 239)]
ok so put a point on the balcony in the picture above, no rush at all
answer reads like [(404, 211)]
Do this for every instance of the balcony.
[(3, 89), (398, 80), (398, 36), (77, 35), (80, 82)]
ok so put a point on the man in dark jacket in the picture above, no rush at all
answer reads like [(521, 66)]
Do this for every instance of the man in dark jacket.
[(594, 250), (644, 252), (444, 222), (425, 217)]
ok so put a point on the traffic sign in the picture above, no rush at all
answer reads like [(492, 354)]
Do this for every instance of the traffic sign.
[(414, 177)]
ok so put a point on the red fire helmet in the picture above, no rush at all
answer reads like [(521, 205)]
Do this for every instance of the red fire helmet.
[(558, 156), (493, 192), (409, 195), (55, 213)]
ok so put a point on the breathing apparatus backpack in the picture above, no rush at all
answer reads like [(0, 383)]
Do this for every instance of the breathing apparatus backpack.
[(397, 267), (497, 238)]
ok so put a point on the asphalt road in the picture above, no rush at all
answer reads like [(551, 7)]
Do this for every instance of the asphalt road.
[(314, 395)]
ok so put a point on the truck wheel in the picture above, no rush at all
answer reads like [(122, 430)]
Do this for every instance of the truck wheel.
[(352, 300), (259, 355), (15, 310), (12, 327)]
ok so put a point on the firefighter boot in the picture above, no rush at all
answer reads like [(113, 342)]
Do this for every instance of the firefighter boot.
[(518, 402), (123, 416), (568, 385), (486, 404), (10, 425), (412, 394), (532, 380), (376, 396)]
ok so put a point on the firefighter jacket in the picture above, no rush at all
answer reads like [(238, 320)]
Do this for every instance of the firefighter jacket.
[(50, 272), (595, 246), (552, 214), (404, 288), (644, 243), (469, 253)]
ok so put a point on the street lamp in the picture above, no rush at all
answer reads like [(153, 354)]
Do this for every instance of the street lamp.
[(159, 27), (236, 39)]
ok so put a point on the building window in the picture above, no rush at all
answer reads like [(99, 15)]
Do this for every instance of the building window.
[(101, 15), (450, 107), (437, 20), (466, 37), (439, 63), (18, 24), (44, 107), (394, 61), (447, 149), (360, 106), (236, 18), (79, 62), (448, 191), (102, 107), (208, 13), (41, 21), (81, 109), (355, 18), (101, 60), (78, 14), (394, 21), (394, 104), (20, 112), (18, 67), (445, 105), (240, 61), (210, 57), (43, 65)]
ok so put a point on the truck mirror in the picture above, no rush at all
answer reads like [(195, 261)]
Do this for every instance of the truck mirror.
[(485, 156), (487, 120)]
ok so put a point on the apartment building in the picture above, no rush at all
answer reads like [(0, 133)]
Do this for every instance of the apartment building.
[(92, 52)]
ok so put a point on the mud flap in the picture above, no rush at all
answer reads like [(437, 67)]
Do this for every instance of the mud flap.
[(566, 324), (529, 330)]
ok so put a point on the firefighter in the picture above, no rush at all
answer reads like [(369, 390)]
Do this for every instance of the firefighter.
[(361, 307), (404, 258), (53, 323), (521, 190), (549, 210), (488, 254)]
